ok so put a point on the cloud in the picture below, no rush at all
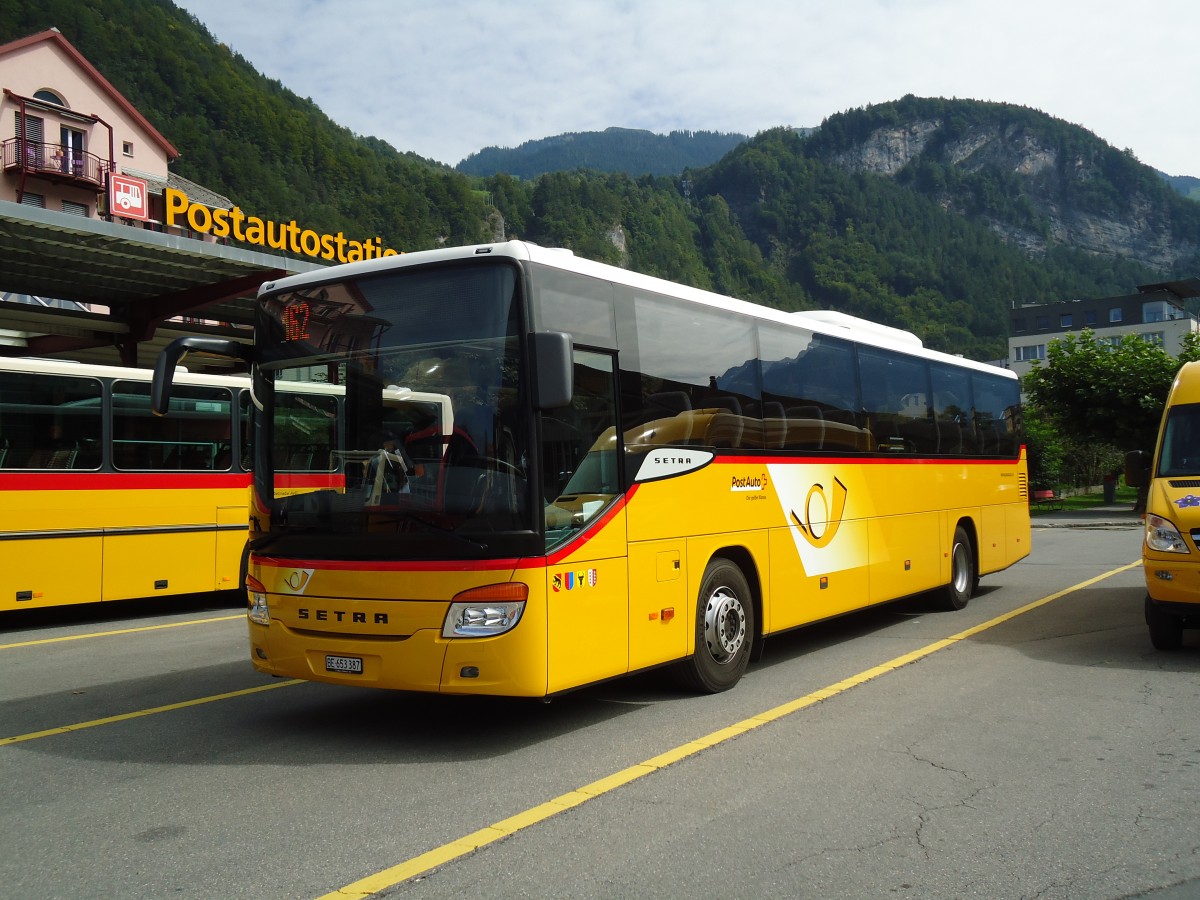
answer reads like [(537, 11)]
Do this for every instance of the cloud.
[(445, 79)]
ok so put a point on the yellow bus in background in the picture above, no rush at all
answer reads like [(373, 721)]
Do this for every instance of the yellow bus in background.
[(1169, 549), (637, 474), (100, 500)]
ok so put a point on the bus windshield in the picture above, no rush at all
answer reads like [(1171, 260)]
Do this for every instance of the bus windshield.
[(1180, 453), (398, 423)]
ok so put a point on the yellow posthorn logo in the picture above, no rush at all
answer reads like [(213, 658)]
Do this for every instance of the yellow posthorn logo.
[(297, 579), (822, 518)]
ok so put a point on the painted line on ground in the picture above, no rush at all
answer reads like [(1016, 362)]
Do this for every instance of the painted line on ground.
[(426, 862), (141, 713), (99, 634)]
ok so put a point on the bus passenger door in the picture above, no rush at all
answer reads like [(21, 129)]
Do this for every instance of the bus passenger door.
[(587, 616)]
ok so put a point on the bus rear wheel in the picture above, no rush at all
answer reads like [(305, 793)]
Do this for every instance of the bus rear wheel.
[(1166, 630), (724, 630), (963, 579)]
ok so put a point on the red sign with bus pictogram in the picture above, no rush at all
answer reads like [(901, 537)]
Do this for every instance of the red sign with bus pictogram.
[(129, 198)]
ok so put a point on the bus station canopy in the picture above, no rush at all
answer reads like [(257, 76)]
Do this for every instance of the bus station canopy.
[(141, 280)]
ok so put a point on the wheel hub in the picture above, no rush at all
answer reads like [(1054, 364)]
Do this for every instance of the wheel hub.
[(724, 625)]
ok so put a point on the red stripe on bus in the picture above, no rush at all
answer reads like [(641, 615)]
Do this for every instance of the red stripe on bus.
[(866, 460), (108, 481)]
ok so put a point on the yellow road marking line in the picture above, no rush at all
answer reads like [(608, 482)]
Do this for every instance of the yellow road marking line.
[(425, 862), (124, 717), (96, 634)]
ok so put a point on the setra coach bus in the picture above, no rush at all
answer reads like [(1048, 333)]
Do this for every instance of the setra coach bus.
[(637, 474)]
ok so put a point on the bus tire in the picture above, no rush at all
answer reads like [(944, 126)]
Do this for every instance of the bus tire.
[(963, 578), (724, 630), (1166, 630)]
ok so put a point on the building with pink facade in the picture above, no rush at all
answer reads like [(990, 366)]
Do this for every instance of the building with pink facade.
[(70, 142)]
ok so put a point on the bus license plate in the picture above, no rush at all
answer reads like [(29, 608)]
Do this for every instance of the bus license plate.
[(349, 665)]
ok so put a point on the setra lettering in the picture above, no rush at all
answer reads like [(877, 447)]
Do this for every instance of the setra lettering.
[(358, 618)]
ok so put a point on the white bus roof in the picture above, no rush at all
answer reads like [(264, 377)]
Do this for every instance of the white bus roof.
[(827, 322)]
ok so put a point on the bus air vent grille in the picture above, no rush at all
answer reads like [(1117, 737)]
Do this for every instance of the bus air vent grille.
[(1185, 483)]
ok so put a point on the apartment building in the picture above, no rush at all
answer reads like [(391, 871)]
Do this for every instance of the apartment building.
[(1155, 313)]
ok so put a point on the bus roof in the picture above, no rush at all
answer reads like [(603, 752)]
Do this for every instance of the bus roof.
[(828, 322)]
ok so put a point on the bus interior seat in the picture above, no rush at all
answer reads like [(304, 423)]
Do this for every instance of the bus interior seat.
[(774, 425), (460, 488), (843, 416), (806, 427), (671, 405), (300, 460), (667, 403), (724, 430), (920, 435), (62, 459), (733, 404), (950, 437), (985, 438), (197, 457)]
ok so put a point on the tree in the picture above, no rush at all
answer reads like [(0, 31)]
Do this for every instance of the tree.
[(1100, 393)]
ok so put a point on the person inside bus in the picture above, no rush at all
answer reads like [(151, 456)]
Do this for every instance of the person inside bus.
[(389, 471)]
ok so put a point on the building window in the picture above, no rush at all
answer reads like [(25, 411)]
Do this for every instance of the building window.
[(1112, 342), (1043, 322), (1089, 317), (1030, 352), (75, 209), (1155, 311), (1153, 337), (127, 148), (1019, 324), (1065, 320), (1114, 315), (28, 199), (49, 97)]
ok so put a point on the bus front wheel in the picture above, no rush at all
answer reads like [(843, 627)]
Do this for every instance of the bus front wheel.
[(724, 630), (963, 579), (1166, 630)]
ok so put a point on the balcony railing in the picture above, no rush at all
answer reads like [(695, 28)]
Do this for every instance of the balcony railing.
[(55, 162)]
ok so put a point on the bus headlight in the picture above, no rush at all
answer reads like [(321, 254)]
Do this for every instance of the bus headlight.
[(1163, 536), (486, 611), (259, 610)]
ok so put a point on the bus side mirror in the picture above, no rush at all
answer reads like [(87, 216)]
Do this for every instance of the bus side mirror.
[(554, 368), (1137, 468), (173, 354)]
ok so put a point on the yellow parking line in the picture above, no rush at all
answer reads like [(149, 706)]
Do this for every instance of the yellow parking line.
[(124, 717), (438, 856), (96, 634)]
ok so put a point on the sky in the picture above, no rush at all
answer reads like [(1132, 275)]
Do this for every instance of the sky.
[(447, 78)]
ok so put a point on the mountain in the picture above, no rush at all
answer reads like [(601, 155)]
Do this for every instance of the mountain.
[(928, 214), (1183, 184), (632, 151), (1040, 183)]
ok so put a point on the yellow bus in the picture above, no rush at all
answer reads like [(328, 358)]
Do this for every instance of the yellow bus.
[(1172, 478), (100, 500), (638, 474)]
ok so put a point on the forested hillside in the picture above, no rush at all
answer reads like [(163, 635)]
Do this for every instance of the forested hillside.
[(931, 215), (632, 151), (1184, 184)]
